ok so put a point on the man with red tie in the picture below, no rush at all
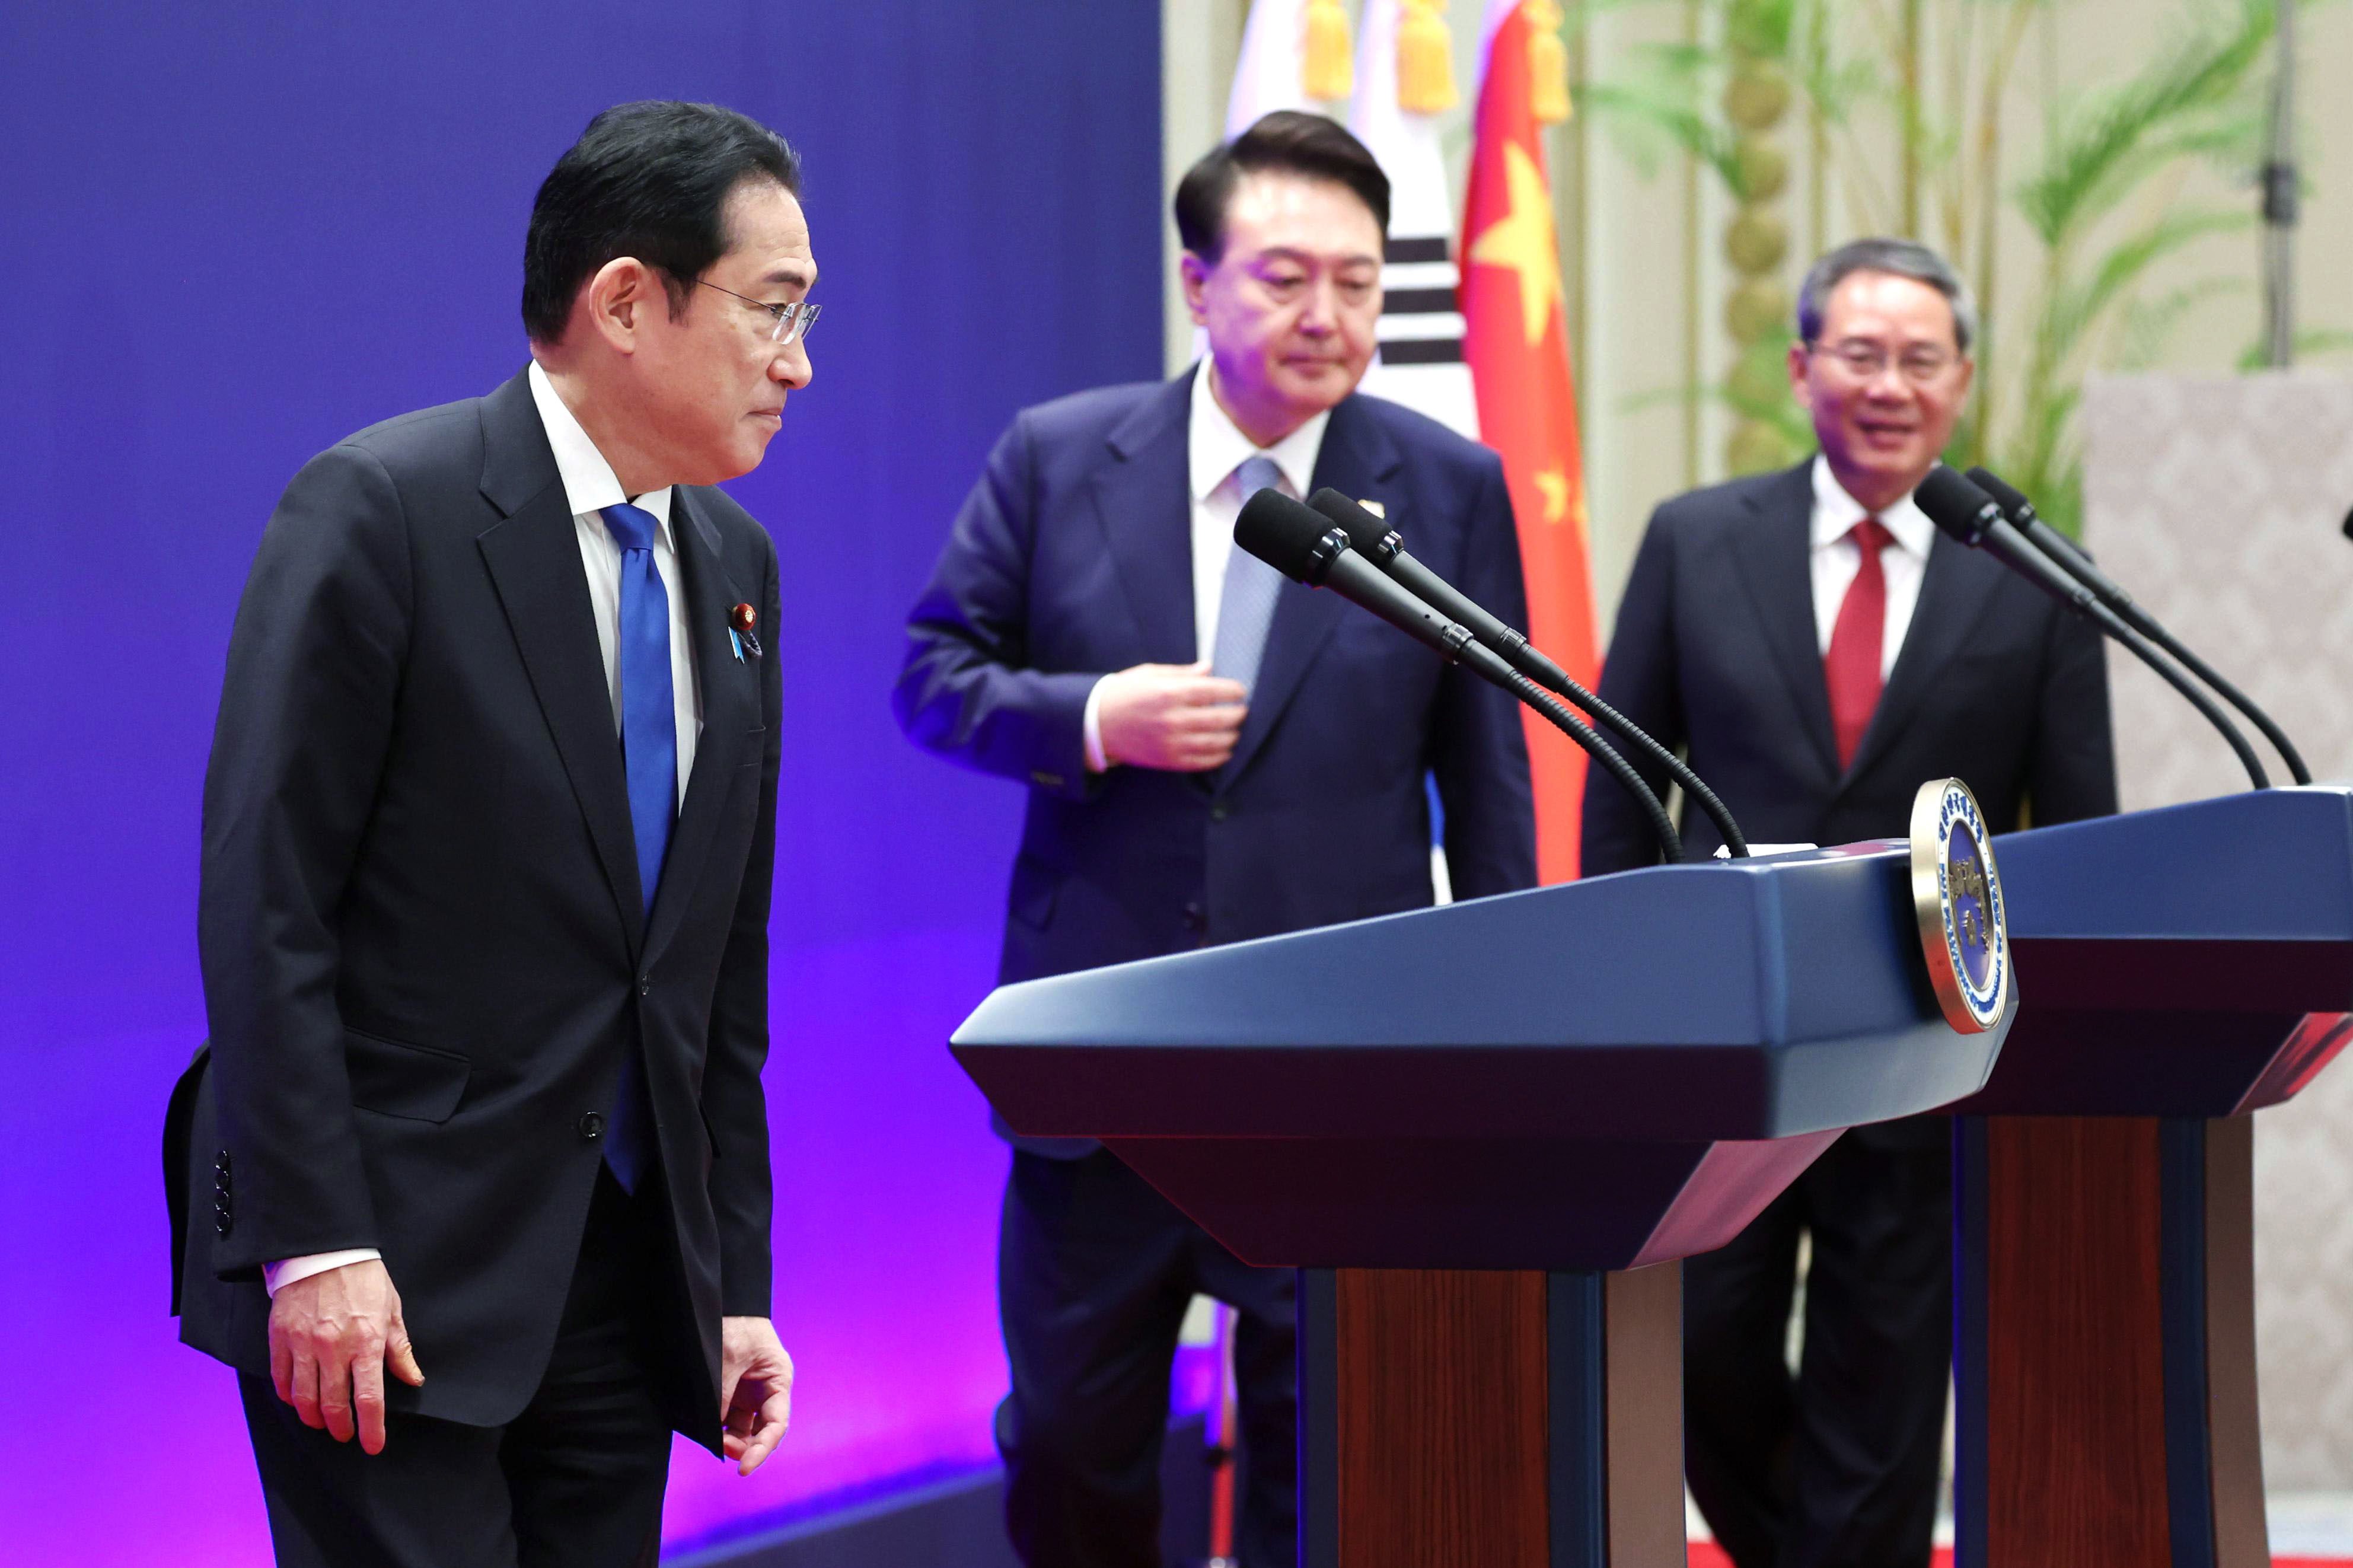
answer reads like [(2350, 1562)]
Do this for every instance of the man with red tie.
[(1821, 649)]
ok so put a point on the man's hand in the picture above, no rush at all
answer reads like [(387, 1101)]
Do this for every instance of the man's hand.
[(331, 1337), (755, 1395), (1176, 717)]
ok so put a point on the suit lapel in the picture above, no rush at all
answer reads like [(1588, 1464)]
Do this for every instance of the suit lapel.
[(1356, 454), (533, 557), (1144, 501), (731, 710), (1954, 591), (1775, 554)]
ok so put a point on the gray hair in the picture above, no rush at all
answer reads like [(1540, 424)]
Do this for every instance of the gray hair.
[(1905, 259)]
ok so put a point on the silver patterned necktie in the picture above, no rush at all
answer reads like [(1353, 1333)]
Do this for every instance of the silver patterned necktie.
[(1246, 605)]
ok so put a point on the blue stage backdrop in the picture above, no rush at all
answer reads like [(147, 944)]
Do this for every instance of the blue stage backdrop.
[(240, 232)]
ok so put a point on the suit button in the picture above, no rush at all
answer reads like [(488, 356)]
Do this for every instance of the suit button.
[(592, 1126), (645, 985), (1217, 811), (1195, 919)]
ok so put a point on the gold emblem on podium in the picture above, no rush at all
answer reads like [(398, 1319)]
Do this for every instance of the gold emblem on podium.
[(1957, 897)]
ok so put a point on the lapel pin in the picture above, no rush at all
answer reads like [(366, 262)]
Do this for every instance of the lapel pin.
[(742, 623), (1376, 508)]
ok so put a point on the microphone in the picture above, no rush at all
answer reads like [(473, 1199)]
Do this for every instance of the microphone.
[(1299, 541), (1373, 538), (2071, 559), (1972, 517)]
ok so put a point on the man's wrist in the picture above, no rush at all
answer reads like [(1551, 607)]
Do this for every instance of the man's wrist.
[(1091, 729), (277, 1277)]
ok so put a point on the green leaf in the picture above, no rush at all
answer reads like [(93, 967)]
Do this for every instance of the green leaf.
[(1645, 119), (2309, 340), (2148, 325), (2100, 144), (2075, 308)]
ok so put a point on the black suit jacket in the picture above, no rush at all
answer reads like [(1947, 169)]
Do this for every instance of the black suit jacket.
[(1716, 649), (421, 930), (1073, 557)]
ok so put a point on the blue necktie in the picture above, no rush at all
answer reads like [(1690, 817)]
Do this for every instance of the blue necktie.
[(649, 751), (1246, 607)]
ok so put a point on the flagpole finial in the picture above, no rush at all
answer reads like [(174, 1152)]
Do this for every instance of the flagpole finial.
[(1425, 72), (1548, 62), (1327, 63)]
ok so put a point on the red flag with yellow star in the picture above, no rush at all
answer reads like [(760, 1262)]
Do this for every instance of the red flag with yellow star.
[(1517, 340)]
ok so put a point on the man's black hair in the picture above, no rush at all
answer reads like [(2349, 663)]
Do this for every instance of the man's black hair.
[(1903, 258), (1286, 141), (650, 180)]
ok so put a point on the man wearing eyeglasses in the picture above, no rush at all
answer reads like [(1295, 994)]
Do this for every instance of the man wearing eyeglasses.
[(476, 1175), (1821, 650)]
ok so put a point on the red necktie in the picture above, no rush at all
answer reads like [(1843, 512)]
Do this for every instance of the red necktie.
[(1850, 669)]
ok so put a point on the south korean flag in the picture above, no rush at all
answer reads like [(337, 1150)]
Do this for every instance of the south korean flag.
[(1421, 360)]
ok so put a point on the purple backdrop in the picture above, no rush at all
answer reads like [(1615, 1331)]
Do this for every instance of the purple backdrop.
[(238, 237)]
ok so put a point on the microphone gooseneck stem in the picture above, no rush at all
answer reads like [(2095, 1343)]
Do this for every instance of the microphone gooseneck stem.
[(2060, 548), (1548, 673), (2146, 652), (1662, 827)]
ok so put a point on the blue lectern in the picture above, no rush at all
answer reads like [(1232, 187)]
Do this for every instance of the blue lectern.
[(2178, 970), (1485, 1134)]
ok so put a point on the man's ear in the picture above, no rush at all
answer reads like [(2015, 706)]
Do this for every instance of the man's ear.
[(1801, 383), (1193, 275), (617, 298)]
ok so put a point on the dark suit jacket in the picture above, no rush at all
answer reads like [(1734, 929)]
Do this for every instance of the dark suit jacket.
[(1716, 649), (1072, 558), (423, 948)]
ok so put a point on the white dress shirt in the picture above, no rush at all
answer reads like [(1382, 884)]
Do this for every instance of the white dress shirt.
[(1215, 447), (589, 487), (1837, 558)]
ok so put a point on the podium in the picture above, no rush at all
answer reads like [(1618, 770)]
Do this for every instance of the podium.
[(2178, 969), (1486, 1134)]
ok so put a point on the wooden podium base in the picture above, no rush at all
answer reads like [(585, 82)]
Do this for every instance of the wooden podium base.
[(1490, 1419), (2103, 1353)]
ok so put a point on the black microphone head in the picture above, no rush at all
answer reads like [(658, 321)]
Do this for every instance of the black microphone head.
[(2008, 497), (1370, 536), (1956, 506), (1289, 535)]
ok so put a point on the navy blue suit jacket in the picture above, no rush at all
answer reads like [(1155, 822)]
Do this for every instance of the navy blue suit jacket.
[(1072, 558), (1716, 649)]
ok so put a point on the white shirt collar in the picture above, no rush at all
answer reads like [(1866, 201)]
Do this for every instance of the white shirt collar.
[(1216, 446), (1835, 512), (589, 485)]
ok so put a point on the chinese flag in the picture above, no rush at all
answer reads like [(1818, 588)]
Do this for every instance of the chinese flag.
[(1517, 340)]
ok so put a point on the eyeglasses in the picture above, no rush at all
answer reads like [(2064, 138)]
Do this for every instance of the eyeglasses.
[(794, 321), (1869, 361)]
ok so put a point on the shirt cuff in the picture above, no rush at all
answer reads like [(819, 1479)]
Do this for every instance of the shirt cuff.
[(1090, 729), (276, 1276)]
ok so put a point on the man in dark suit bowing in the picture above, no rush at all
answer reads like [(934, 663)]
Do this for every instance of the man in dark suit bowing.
[(1212, 754), (1821, 650), (479, 1157)]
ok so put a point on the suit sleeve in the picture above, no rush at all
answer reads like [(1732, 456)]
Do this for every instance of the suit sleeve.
[(735, 1102), (966, 690), (306, 717), (1479, 752), (1638, 679), (2072, 774)]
